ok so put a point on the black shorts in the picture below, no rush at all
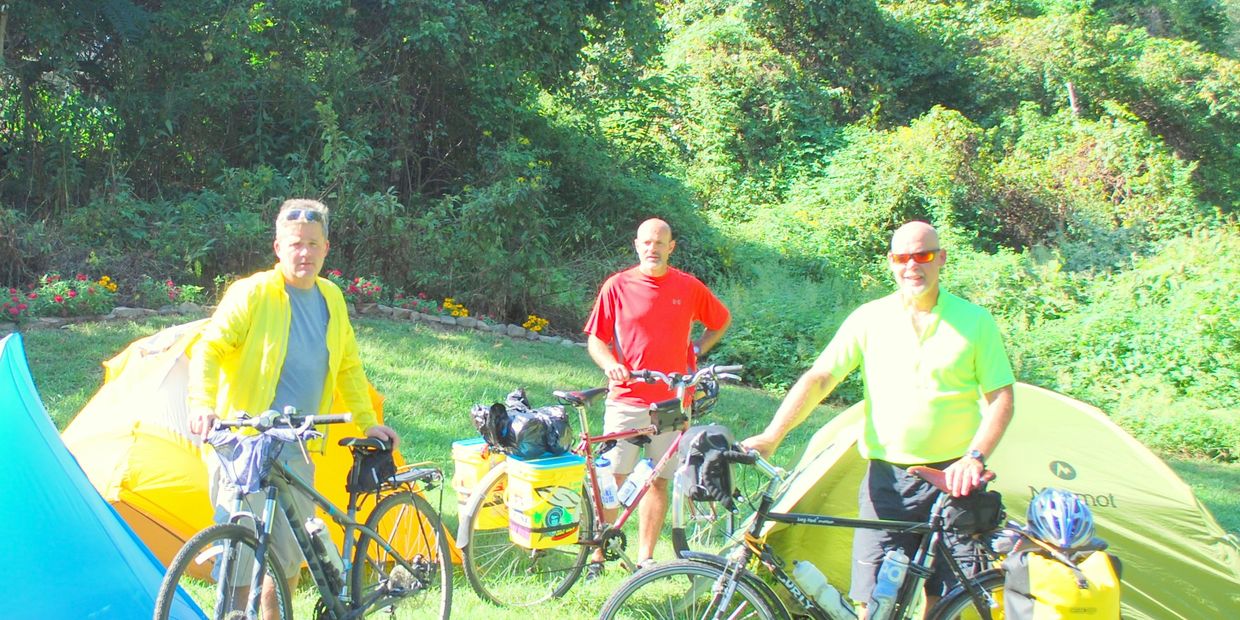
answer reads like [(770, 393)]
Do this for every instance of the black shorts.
[(889, 492)]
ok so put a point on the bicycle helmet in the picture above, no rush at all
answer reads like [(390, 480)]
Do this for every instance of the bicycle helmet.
[(1060, 518), (705, 396)]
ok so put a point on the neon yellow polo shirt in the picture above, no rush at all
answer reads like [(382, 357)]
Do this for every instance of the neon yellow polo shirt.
[(921, 393)]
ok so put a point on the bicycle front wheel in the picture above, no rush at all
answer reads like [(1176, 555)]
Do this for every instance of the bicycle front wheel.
[(210, 577), (503, 572), (684, 589), (959, 604), (417, 572)]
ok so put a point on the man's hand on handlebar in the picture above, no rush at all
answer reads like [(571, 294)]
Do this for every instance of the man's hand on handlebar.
[(617, 372), (201, 421), (764, 444)]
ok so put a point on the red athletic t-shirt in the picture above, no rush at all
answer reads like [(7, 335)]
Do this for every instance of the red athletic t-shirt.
[(646, 321)]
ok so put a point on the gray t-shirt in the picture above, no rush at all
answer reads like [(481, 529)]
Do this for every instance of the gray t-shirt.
[(305, 362)]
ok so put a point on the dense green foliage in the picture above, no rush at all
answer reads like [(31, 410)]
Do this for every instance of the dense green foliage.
[(501, 153)]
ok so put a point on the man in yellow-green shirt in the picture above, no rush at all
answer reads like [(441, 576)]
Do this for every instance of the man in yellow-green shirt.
[(280, 338), (926, 356)]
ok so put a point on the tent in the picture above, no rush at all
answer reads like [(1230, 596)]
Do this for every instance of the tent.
[(1178, 562), (67, 553), (133, 440)]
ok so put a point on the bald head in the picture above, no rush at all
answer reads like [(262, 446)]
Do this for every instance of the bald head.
[(913, 233), (654, 245)]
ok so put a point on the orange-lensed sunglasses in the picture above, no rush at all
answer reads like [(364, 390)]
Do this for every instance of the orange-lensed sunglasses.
[(920, 258)]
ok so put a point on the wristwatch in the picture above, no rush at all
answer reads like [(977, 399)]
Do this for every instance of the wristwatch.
[(976, 454)]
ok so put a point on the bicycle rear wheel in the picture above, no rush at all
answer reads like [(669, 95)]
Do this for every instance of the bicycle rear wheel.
[(506, 573), (683, 589), (419, 574), (959, 605), (211, 575)]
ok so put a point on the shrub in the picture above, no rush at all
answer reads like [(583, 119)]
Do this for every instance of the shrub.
[(56, 296), (154, 293)]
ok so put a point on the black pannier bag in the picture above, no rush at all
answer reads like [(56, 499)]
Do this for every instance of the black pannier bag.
[(371, 468), (516, 429), (710, 476)]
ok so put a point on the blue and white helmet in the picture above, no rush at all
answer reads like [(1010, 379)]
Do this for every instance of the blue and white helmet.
[(1060, 518)]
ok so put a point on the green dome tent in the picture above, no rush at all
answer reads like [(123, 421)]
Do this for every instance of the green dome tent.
[(1178, 561)]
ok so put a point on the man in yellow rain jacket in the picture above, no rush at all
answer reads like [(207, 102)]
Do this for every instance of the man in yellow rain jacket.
[(280, 338)]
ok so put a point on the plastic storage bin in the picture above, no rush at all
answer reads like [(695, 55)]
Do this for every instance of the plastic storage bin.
[(471, 466), (545, 501)]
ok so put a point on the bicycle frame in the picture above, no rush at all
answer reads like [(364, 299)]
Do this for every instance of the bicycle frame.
[(280, 483), (921, 566), (584, 449)]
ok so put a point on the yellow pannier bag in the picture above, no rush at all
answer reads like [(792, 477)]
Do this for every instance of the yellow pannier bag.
[(1039, 587)]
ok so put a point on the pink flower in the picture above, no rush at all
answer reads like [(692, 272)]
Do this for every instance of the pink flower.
[(22, 306), (58, 299), (72, 294), (32, 296), (14, 311), (12, 291), (169, 283)]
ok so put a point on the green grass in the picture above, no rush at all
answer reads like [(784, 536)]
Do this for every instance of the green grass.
[(432, 377)]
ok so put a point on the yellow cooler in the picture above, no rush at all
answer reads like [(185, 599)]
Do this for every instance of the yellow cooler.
[(545, 501), (471, 466)]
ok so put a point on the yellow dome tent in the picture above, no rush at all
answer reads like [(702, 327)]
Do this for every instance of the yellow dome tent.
[(133, 441), (1178, 562)]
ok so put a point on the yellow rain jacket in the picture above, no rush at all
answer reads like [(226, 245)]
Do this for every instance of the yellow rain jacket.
[(236, 362)]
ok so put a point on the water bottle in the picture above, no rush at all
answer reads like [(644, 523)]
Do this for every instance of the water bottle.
[(887, 590), (606, 476), (818, 588), (322, 541), (641, 473)]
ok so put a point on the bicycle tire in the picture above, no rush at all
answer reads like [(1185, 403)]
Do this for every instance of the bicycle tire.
[(414, 530), (958, 605), (681, 589), (224, 547), (505, 573)]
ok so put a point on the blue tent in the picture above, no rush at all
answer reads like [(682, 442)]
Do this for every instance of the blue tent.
[(67, 552)]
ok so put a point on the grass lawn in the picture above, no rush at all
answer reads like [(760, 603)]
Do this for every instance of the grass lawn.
[(431, 377)]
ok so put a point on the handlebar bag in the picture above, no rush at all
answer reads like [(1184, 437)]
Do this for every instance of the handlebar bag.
[(710, 473)]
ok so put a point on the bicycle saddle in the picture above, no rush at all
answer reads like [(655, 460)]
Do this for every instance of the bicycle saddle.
[(364, 443)]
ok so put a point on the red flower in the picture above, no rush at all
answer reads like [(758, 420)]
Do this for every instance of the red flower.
[(90, 290), (33, 296), (12, 291), (72, 294), (14, 311), (22, 306), (58, 299), (81, 277)]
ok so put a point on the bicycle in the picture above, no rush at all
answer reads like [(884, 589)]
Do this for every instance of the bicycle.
[(505, 573), (709, 586), (397, 559)]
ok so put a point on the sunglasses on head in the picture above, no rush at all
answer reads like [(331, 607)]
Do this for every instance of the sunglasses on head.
[(303, 215), (920, 258)]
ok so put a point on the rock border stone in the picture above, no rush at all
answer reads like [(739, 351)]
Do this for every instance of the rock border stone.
[(123, 313)]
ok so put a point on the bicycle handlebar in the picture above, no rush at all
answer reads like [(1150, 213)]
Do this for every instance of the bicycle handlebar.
[(270, 419), (677, 379)]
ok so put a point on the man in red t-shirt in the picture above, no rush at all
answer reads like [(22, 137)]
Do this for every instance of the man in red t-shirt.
[(641, 320)]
